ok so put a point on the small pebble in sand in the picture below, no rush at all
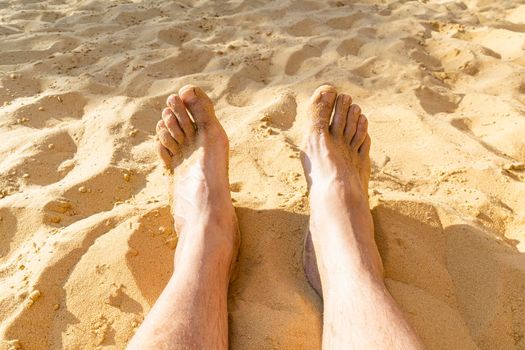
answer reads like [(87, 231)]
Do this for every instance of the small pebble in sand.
[(21, 120), (132, 133), (51, 146), (126, 177), (35, 295), (21, 267), (25, 176), (55, 219), (133, 251), (56, 307), (40, 108), (162, 230), (59, 99), (82, 189), (14, 76)]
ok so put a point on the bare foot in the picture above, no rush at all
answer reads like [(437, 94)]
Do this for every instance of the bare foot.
[(337, 166), (191, 312), (195, 152)]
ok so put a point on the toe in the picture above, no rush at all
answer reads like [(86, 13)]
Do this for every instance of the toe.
[(360, 134), (199, 105), (165, 138), (364, 150), (351, 122), (341, 110), (185, 122), (171, 123), (164, 154), (321, 106)]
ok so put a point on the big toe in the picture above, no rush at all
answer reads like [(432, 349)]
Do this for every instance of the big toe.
[(199, 105), (321, 106)]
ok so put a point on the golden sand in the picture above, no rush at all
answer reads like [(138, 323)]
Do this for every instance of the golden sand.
[(86, 242)]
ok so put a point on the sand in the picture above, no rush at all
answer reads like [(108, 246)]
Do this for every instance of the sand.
[(86, 241)]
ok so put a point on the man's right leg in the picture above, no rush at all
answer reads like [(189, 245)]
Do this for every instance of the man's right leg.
[(359, 312), (191, 312)]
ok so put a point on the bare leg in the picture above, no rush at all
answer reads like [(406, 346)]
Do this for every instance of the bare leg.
[(191, 312), (359, 312)]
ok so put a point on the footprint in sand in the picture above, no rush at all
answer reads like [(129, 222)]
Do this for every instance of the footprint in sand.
[(350, 46), (299, 57), (434, 101)]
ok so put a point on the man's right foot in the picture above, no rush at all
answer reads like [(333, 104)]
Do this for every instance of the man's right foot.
[(191, 312), (336, 162), (195, 151)]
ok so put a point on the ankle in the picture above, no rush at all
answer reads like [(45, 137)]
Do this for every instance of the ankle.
[(213, 238), (210, 231)]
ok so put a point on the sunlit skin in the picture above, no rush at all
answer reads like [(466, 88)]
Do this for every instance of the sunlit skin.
[(342, 261)]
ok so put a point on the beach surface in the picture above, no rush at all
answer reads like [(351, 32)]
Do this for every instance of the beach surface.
[(86, 239)]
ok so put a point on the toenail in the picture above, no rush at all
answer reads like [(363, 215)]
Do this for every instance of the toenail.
[(166, 112), (327, 96), (171, 101), (190, 92)]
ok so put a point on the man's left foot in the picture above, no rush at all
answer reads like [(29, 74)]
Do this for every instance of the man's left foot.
[(336, 162)]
